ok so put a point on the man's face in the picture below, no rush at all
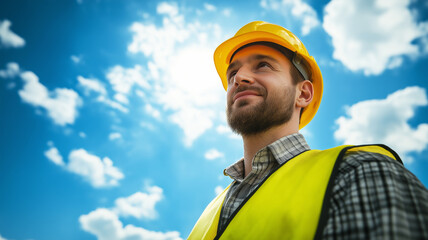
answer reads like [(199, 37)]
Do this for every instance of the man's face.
[(260, 92)]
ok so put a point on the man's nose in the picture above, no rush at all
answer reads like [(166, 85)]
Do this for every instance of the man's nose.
[(243, 76)]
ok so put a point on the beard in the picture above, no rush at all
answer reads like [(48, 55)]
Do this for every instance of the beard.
[(274, 110)]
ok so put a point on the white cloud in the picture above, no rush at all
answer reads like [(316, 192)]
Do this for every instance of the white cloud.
[(218, 190), (9, 38), (224, 129), (139, 205), (99, 173), (152, 111), (11, 71), (299, 9), (76, 59), (123, 79), (112, 104), (54, 155), (170, 9), (193, 121), (148, 126), (91, 84), (94, 85), (2, 238), (306, 132), (114, 136), (213, 154), (227, 12), (105, 225), (61, 104), (209, 7), (121, 98), (372, 36), (160, 42), (82, 134), (180, 63), (386, 121)]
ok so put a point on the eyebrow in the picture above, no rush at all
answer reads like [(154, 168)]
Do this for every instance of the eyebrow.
[(252, 58)]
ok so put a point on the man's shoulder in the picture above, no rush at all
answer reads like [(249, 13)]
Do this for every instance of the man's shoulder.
[(370, 153), (363, 163), (364, 156)]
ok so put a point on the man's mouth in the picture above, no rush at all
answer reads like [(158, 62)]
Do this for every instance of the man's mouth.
[(245, 93)]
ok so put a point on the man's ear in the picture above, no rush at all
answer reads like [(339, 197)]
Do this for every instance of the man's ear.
[(305, 93)]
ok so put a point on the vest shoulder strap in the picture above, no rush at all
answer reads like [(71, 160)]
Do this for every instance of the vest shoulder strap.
[(374, 148), (206, 226)]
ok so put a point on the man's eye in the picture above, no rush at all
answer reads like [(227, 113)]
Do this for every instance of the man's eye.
[(230, 76), (263, 64)]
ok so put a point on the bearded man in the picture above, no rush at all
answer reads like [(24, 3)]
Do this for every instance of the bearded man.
[(281, 188)]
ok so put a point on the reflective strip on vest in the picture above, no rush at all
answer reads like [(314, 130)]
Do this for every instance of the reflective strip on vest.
[(286, 206)]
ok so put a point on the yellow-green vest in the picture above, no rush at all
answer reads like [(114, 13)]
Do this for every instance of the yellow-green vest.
[(292, 203)]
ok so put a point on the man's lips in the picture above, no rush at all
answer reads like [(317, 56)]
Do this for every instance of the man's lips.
[(245, 93)]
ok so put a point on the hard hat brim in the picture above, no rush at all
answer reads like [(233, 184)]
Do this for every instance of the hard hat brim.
[(224, 52)]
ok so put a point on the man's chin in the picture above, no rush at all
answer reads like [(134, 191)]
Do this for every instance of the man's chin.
[(243, 108)]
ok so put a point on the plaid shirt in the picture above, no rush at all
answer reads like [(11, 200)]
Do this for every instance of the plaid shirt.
[(374, 196)]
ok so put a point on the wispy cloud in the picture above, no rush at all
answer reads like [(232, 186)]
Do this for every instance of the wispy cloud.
[(386, 121), (94, 85), (213, 154), (113, 104), (383, 33), (123, 79), (76, 59), (54, 155), (11, 71), (218, 190), (298, 9), (9, 38), (209, 7), (152, 111), (91, 85), (114, 136)]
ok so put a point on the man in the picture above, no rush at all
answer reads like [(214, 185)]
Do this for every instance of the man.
[(281, 188)]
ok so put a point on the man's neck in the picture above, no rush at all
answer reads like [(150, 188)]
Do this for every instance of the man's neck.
[(253, 143)]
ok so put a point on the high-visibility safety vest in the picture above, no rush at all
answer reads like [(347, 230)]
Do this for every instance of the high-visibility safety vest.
[(291, 203)]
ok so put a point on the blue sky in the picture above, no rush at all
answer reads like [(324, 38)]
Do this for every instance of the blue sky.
[(112, 115)]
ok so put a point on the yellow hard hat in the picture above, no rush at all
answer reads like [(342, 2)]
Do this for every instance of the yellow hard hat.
[(260, 31)]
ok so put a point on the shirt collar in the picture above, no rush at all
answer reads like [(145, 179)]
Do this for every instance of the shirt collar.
[(282, 150)]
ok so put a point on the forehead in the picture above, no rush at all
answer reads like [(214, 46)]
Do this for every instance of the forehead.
[(255, 52)]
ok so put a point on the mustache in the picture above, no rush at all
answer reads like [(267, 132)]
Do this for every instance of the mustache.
[(242, 88)]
